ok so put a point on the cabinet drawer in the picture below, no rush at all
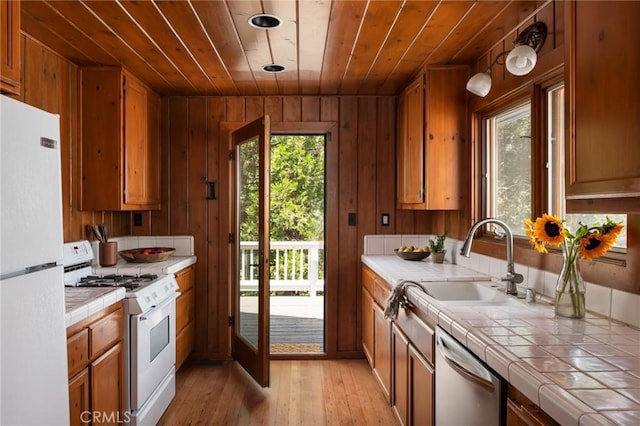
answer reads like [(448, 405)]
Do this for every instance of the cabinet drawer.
[(368, 278), (184, 310), (184, 278), (105, 332), (420, 334), (77, 352), (381, 292)]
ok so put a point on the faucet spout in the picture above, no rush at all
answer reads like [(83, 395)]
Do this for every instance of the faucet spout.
[(512, 277)]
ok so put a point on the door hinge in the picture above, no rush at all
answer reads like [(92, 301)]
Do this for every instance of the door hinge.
[(230, 321), (232, 155), (231, 238)]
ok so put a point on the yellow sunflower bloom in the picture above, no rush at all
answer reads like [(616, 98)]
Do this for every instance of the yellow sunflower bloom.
[(549, 230), (592, 246)]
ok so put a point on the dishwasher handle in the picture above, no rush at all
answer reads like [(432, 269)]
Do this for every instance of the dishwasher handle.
[(445, 351)]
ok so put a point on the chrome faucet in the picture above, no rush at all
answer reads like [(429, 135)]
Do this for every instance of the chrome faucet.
[(512, 277)]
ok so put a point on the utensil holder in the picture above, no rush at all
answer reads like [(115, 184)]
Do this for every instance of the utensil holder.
[(108, 255)]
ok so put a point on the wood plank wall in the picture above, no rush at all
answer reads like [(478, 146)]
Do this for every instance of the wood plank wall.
[(50, 82), (360, 179), (361, 163)]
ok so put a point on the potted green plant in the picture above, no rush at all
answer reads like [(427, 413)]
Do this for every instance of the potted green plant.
[(437, 247)]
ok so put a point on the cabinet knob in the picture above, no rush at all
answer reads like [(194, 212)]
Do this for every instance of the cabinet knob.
[(430, 137)]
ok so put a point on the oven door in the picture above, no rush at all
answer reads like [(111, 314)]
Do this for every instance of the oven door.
[(153, 349)]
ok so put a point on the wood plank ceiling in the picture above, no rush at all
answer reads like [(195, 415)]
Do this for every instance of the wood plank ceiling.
[(339, 47)]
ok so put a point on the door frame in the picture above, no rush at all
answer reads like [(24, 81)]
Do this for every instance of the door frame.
[(331, 225)]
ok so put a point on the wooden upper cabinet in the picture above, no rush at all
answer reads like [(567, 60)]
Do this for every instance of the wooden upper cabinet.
[(603, 104), (431, 142), (10, 46), (120, 142), (411, 143)]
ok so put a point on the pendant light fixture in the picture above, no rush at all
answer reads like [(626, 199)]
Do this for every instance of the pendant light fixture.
[(519, 61)]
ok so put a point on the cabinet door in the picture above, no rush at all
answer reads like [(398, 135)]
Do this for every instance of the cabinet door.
[(106, 385), (445, 109), (411, 144), (79, 398), (382, 349), (135, 142), (421, 392), (154, 151), (10, 46), (367, 325), (603, 105), (400, 388)]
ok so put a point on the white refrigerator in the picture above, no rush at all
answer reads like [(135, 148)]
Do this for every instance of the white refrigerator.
[(33, 351)]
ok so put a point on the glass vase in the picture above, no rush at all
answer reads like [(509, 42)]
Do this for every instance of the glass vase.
[(570, 288)]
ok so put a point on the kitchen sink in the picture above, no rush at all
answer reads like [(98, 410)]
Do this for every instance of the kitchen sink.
[(464, 291)]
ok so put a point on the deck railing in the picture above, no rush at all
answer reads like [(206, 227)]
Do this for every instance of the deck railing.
[(295, 266)]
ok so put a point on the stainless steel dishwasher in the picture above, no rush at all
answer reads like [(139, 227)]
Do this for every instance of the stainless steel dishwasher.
[(467, 391)]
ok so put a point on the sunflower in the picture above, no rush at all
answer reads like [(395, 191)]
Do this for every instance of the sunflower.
[(612, 230), (535, 243), (593, 245), (549, 230)]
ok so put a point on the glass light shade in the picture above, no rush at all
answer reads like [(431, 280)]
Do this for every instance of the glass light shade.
[(521, 60), (480, 84)]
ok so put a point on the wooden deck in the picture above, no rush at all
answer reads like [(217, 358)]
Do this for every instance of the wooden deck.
[(297, 322)]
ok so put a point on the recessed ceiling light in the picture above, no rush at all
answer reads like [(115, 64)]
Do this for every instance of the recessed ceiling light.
[(273, 68), (264, 21)]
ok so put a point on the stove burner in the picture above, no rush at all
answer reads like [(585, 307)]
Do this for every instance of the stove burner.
[(129, 282)]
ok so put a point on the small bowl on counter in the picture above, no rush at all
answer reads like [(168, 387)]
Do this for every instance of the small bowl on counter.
[(147, 254), (412, 255)]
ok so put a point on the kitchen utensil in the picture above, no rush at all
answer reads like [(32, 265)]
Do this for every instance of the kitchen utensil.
[(97, 233)]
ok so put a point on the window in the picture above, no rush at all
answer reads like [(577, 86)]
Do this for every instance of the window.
[(556, 169), (510, 166)]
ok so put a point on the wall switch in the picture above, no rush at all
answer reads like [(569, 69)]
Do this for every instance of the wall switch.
[(352, 219), (137, 219), (384, 220)]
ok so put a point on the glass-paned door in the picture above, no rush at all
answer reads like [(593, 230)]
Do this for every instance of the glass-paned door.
[(250, 183)]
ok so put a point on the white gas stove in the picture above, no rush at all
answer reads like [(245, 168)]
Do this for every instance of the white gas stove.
[(143, 292), (149, 331)]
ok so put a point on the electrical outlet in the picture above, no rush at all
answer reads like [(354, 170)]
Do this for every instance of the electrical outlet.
[(352, 219), (137, 219)]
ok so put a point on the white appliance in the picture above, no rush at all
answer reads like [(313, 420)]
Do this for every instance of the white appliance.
[(149, 332), (33, 343)]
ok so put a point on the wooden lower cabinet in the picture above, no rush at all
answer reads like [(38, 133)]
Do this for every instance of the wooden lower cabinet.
[(400, 354), (400, 396), (421, 389), (522, 412), (106, 384), (95, 353), (185, 314), (367, 325), (79, 398), (382, 349)]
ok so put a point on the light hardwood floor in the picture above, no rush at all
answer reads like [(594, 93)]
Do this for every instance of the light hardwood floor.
[(303, 392)]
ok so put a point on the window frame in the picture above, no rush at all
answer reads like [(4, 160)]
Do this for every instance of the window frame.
[(616, 269)]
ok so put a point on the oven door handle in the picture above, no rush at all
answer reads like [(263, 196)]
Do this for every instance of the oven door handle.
[(150, 313)]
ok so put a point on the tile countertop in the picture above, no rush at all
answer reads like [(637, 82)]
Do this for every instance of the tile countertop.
[(169, 266), (580, 372), (82, 302)]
